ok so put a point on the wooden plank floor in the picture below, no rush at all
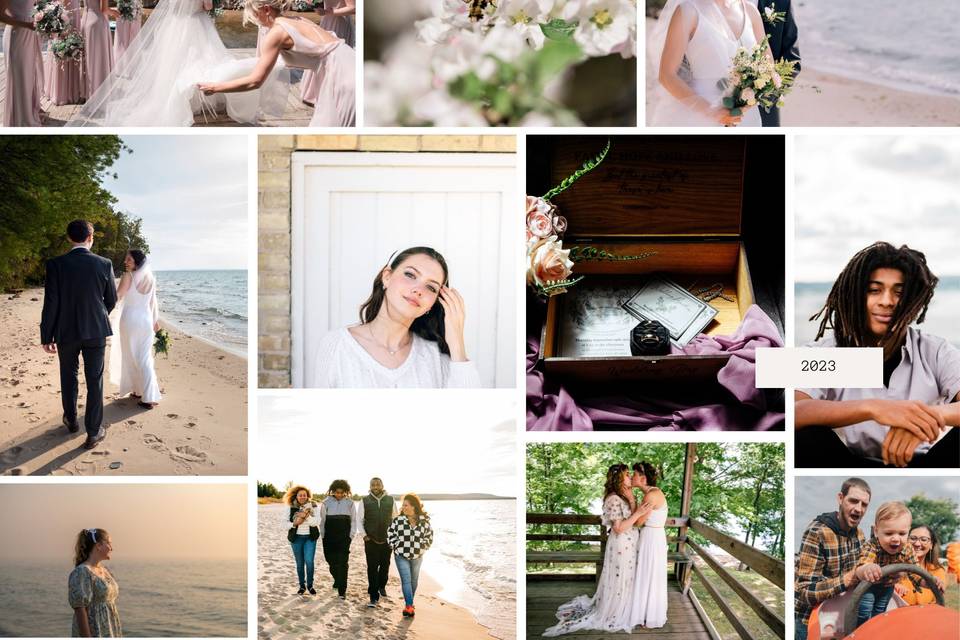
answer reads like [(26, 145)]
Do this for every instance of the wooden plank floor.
[(297, 114), (543, 599)]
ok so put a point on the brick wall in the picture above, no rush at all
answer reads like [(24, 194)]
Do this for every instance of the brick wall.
[(273, 205)]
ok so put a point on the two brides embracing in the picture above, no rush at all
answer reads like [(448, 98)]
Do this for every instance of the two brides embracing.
[(178, 66), (632, 590), (691, 51), (80, 294)]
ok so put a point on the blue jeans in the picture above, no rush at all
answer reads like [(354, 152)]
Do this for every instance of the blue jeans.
[(409, 571), (303, 551), (800, 629), (874, 602)]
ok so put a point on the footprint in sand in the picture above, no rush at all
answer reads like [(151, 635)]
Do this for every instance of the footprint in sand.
[(86, 467), (190, 454), (11, 454), (155, 442), (172, 416)]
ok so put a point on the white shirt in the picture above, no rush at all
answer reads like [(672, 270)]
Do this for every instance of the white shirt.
[(929, 371), (313, 520), (341, 362)]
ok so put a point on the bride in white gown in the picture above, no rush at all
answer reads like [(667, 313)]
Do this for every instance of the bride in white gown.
[(649, 598), (610, 607), (139, 321), (691, 51), (155, 82)]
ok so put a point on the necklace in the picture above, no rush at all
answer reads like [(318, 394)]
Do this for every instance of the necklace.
[(392, 352)]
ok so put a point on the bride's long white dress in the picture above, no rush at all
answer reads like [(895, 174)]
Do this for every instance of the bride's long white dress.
[(155, 82), (140, 311), (609, 608), (650, 591), (709, 58)]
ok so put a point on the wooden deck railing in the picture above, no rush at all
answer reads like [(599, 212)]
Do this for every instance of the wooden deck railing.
[(763, 564)]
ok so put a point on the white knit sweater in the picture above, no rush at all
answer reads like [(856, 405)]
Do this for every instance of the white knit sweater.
[(342, 363)]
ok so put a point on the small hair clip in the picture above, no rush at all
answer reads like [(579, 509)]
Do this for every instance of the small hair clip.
[(93, 534)]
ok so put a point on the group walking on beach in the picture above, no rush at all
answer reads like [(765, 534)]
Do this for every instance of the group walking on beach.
[(80, 293), (404, 533), (632, 588)]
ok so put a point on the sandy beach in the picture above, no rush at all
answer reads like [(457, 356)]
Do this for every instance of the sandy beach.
[(199, 428), (282, 614), (821, 99)]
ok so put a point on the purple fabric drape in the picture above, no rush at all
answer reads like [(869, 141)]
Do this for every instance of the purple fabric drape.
[(736, 404)]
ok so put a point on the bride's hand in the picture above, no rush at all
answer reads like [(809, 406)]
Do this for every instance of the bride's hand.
[(453, 319), (156, 327), (208, 88), (722, 115)]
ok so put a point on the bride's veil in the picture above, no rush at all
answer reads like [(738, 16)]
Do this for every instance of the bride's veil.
[(154, 81)]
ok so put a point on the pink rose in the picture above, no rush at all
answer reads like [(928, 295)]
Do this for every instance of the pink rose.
[(559, 224), (548, 261), (38, 17), (539, 218), (777, 80)]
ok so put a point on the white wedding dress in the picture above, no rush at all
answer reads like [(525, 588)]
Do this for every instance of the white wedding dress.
[(609, 608), (138, 314), (155, 82), (708, 60), (650, 591)]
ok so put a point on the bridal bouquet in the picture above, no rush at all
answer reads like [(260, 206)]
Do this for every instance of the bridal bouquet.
[(50, 17), (306, 5), (493, 62), (755, 79), (130, 10), (161, 342), (68, 46), (549, 265)]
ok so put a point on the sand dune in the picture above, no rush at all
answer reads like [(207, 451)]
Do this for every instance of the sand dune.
[(283, 615), (199, 428)]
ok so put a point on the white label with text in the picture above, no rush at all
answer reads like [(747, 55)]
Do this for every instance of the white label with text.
[(820, 368)]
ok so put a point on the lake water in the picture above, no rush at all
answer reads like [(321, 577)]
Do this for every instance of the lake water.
[(943, 318), (211, 305), (157, 598), (901, 44)]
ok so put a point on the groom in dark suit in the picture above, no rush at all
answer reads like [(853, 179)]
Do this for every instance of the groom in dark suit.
[(80, 293), (783, 44)]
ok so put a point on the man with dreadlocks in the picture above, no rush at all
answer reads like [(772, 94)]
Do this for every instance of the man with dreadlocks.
[(881, 292)]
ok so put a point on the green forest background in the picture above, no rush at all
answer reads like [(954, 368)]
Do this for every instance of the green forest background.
[(46, 182)]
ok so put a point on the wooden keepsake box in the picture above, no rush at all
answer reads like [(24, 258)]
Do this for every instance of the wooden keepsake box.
[(678, 196)]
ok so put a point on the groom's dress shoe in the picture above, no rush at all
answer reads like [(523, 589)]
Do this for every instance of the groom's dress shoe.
[(72, 425), (94, 440)]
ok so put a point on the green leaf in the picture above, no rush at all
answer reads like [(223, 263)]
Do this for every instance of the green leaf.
[(559, 29), (468, 87), (736, 112), (552, 59), (587, 167), (728, 102), (502, 102)]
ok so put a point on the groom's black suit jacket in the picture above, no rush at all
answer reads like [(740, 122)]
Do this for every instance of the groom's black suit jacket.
[(80, 293), (783, 44)]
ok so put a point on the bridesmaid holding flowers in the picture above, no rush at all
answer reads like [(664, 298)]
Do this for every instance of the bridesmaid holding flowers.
[(63, 80), (24, 65), (98, 57)]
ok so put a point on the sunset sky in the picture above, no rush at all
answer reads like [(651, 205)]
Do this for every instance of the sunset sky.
[(202, 521), (420, 441)]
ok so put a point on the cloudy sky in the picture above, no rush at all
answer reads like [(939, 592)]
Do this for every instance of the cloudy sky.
[(206, 521), (852, 191), (191, 192), (420, 441), (816, 495)]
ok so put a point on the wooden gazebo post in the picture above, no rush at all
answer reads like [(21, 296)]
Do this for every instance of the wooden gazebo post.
[(683, 571)]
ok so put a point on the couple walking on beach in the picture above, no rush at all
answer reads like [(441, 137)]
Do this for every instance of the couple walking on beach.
[(80, 292), (632, 588), (404, 533)]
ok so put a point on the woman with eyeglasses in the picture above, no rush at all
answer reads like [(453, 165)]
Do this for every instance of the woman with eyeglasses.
[(927, 548), (92, 591), (410, 333)]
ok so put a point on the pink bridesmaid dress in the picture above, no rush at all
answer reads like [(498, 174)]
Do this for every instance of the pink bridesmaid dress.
[(24, 70), (334, 64), (344, 27), (98, 57), (127, 30), (63, 80)]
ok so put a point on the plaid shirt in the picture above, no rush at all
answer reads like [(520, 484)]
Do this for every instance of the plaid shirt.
[(873, 553), (821, 562)]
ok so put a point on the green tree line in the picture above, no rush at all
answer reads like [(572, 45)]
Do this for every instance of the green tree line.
[(47, 181), (737, 488)]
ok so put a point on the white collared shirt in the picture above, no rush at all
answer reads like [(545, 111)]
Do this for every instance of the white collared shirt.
[(929, 371)]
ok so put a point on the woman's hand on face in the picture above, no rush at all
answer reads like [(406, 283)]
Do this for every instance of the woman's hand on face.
[(453, 320)]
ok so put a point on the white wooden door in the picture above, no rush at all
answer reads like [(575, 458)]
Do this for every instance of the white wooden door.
[(351, 211)]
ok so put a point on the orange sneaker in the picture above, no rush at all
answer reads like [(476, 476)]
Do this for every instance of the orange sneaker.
[(408, 611)]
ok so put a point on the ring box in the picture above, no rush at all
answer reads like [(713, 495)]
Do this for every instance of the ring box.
[(678, 196)]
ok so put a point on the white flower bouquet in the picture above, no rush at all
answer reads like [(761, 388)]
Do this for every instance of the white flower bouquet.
[(50, 17), (757, 80), (130, 10), (68, 46)]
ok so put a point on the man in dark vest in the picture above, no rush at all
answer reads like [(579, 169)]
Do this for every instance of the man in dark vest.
[(783, 43), (374, 514), (80, 292)]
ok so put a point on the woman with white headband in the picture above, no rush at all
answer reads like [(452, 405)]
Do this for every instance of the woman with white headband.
[(92, 589)]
